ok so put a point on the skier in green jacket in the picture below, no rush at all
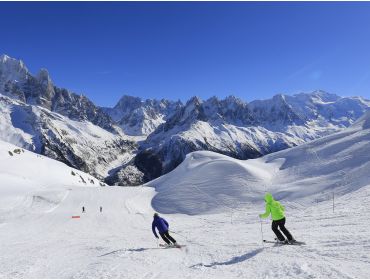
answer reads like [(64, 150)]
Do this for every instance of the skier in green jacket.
[(276, 210)]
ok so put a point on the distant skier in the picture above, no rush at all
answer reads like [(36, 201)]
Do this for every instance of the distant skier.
[(101, 209), (276, 210), (83, 209), (162, 227)]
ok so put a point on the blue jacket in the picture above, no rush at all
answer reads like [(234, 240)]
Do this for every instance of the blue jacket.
[(161, 225)]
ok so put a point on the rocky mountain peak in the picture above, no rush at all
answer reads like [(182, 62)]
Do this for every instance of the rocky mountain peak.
[(194, 101), (12, 63), (325, 96), (13, 72), (128, 102), (233, 99), (279, 98), (139, 117), (44, 77), (18, 83), (193, 110)]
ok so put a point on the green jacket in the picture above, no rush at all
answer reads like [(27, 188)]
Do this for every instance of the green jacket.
[(274, 207)]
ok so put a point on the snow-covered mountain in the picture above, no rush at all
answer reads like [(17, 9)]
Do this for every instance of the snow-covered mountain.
[(139, 140), (322, 108), (79, 144), (137, 117), (40, 117), (18, 83), (241, 130)]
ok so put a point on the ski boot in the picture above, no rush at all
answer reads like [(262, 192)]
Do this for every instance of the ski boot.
[(285, 241)]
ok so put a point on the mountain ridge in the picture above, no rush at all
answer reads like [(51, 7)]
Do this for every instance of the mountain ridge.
[(138, 140)]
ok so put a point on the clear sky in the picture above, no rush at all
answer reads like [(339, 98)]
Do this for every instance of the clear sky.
[(177, 50)]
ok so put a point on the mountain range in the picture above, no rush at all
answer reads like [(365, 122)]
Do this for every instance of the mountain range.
[(139, 140)]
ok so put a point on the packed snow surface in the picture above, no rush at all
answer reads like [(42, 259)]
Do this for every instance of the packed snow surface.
[(212, 203)]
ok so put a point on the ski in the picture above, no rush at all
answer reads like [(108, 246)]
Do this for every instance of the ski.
[(288, 243), (171, 246)]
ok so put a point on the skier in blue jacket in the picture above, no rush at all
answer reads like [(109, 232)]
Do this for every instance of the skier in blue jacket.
[(162, 227)]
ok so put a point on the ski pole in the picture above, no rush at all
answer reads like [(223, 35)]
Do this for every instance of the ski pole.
[(177, 234), (261, 231)]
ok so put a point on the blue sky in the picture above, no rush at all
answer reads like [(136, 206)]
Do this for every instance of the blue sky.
[(177, 50)]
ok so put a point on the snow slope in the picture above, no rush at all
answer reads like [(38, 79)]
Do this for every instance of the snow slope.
[(212, 203), (339, 163), (34, 181)]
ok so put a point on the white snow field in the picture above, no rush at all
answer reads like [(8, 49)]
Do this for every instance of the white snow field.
[(212, 203)]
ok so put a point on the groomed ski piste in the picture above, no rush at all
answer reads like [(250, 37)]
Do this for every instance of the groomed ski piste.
[(212, 204)]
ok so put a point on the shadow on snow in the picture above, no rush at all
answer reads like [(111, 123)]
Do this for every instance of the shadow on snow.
[(234, 260)]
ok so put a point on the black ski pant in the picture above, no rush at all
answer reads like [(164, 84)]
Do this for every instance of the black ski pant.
[(281, 224), (167, 237)]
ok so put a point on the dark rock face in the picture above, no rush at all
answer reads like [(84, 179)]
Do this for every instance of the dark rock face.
[(80, 108), (150, 164), (127, 175)]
